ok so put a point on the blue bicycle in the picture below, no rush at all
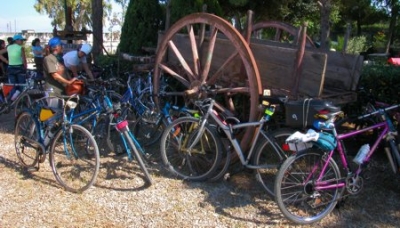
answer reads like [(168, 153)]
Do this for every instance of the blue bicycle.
[(73, 152)]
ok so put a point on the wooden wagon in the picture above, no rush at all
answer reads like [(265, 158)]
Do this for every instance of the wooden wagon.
[(202, 48)]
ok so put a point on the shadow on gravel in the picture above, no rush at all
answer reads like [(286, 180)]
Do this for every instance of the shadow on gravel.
[(28, 175), (376, 205), (119, 168)]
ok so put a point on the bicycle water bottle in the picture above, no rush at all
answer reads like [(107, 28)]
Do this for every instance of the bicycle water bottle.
[(361, 154)]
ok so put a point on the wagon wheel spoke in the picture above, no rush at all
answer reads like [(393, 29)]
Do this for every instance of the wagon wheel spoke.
[(202, 48)]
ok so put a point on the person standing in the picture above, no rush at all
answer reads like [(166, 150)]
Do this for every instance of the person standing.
[(16, 71), (55, 73), (38, 54), (76, 60), (3, 65)]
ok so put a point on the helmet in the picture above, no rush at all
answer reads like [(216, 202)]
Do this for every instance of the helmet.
[(77, 87), (86, 48), (54, 42)]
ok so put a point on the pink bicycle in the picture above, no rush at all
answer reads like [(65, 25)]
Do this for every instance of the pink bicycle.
[(309, 183)]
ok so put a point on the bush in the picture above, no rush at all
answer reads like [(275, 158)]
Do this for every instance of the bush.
[(356, 45), (383, 81)]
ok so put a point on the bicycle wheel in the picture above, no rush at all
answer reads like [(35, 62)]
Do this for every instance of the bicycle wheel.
[(114, 142), (26, 128), (22, 102), (74, 158), (395, 155), (85, 104), (101, 134), (271, 157), (197, 163), (139, 158), (148, 130), (295, 191)]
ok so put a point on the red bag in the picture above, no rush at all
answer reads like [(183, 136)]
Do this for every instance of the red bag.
[(77, 87)]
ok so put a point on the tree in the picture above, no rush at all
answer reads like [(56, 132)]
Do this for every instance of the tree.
[(140, 29), (97, 18), (81, 11)]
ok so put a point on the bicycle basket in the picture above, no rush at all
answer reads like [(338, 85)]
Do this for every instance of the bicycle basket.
[(326, 141), (77, 87)]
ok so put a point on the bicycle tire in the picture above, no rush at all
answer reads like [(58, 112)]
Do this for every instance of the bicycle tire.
[(26, 126), (23, 102), (223, 167), (139, 158), (83, 158), (101, 134), (85, 104), (148, 131), (114, 142), (266, 154), (198, 164), (395, 155), (298, 201)]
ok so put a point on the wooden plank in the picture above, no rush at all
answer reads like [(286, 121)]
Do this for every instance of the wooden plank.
[(343, 71), (275, 64)]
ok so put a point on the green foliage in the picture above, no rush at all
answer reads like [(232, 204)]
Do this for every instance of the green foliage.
[(383, 81), (181, 8), (81, 11), (356, 45), (141, 25), (119, 65)]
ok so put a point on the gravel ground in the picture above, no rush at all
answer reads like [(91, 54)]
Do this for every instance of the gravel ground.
[(120, 198)]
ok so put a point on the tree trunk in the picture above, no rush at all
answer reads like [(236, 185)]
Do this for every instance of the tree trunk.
[(325, 11), (392, 27), (97, 24)]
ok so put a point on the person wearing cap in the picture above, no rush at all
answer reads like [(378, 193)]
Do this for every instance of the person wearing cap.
[(55, 73), (17, 64), (76, 60)]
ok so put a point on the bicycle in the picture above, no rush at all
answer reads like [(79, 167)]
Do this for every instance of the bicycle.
[(31, 90), (73, 152), (131, 143), (191, 148), (309, 184)]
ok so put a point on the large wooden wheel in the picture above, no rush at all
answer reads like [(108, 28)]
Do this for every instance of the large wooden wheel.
[(204, 49), (280, 32)]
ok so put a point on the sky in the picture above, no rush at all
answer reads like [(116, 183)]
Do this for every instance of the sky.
[(17, 15)]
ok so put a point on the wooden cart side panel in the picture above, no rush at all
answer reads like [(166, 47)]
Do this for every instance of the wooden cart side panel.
[(276, 63), (343, 71), (313, 74)]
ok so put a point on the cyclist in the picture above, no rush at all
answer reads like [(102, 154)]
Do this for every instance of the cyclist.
[(76, 60)]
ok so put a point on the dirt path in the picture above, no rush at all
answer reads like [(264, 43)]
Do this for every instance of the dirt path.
[(120, 198)]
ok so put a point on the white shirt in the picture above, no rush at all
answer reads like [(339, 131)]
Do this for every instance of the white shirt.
[(71, 59)]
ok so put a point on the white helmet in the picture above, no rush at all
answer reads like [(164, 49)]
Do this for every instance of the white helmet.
[(86, 48)]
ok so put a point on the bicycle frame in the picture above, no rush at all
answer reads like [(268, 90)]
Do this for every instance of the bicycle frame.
[(133, 98), (229, 129), (387, 131)]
